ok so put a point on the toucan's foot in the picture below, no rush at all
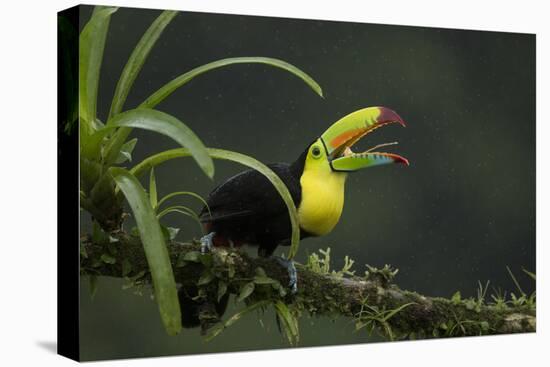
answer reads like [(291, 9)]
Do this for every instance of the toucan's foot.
[(289, 266), (206, 242)]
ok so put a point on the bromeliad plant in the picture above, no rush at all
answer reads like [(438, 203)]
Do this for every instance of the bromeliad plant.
[(105, 148)]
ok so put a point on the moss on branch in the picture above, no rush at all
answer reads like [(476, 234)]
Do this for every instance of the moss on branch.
[(373, 301)]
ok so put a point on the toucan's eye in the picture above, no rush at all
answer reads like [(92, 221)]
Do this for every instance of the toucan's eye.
[(316, 152)]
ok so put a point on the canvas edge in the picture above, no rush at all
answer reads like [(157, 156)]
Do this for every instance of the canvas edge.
[(68, 216)]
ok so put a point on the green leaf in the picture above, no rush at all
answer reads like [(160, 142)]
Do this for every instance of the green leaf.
[(281, 188), (92, 279), (180, 263), (181, 210), (121, 135), (470, 303), (515, 281), (137, 276), (108, 259), (207, 260), (155, 249), (152, 188), (206, 278), (173, 232), (125, 153), (289, 322), (233, 319), (231, 271), (395, 311), (182, 193), (484, 325), (455, 299), (133, 280), (164, 124), (169, 232), (263, 280), (92, 44), (90, 173), (530, 274), (134, 232), (183, 79), (126, 267), (260, 272), (90, 142), (279, 288), (98, 235), (83, 251), (222, 289), (193, 256), (137, 59), (246, 290)]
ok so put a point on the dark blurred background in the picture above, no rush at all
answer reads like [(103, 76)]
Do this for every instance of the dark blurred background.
[(462, 212)]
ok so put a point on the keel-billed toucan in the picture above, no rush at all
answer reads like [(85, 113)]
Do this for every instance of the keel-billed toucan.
[(246, 209)]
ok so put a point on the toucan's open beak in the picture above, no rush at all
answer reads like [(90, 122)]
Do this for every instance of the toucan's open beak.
[(340, 137)]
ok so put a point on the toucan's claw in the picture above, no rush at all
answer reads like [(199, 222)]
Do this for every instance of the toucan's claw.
[(206, 242), (292, 275)]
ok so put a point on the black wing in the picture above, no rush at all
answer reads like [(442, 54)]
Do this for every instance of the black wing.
[(250, 193)]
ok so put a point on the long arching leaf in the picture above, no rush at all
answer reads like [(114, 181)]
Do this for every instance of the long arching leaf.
[(233, 319), (120, 136), (137, 59), (90, 144), (165, 124), (182, 193), (289, 322), (183, 79), (152, 189), (155, 248), (181, 210), (92, 44), (159, 158)]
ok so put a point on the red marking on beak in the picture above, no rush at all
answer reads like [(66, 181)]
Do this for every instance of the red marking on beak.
[(387, 115), (397, 158)]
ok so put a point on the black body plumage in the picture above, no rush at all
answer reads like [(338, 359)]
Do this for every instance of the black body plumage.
[(247, 209)]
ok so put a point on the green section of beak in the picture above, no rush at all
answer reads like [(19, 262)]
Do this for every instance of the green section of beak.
[(339, 138), (357, 161)]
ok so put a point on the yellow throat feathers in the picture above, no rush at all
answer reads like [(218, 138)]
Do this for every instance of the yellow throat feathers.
[(322, 197)]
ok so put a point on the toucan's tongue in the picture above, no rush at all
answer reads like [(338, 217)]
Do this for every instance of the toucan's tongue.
[(347, 152)]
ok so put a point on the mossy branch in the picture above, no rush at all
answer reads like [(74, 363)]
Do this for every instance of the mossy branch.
[(373, 301)]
